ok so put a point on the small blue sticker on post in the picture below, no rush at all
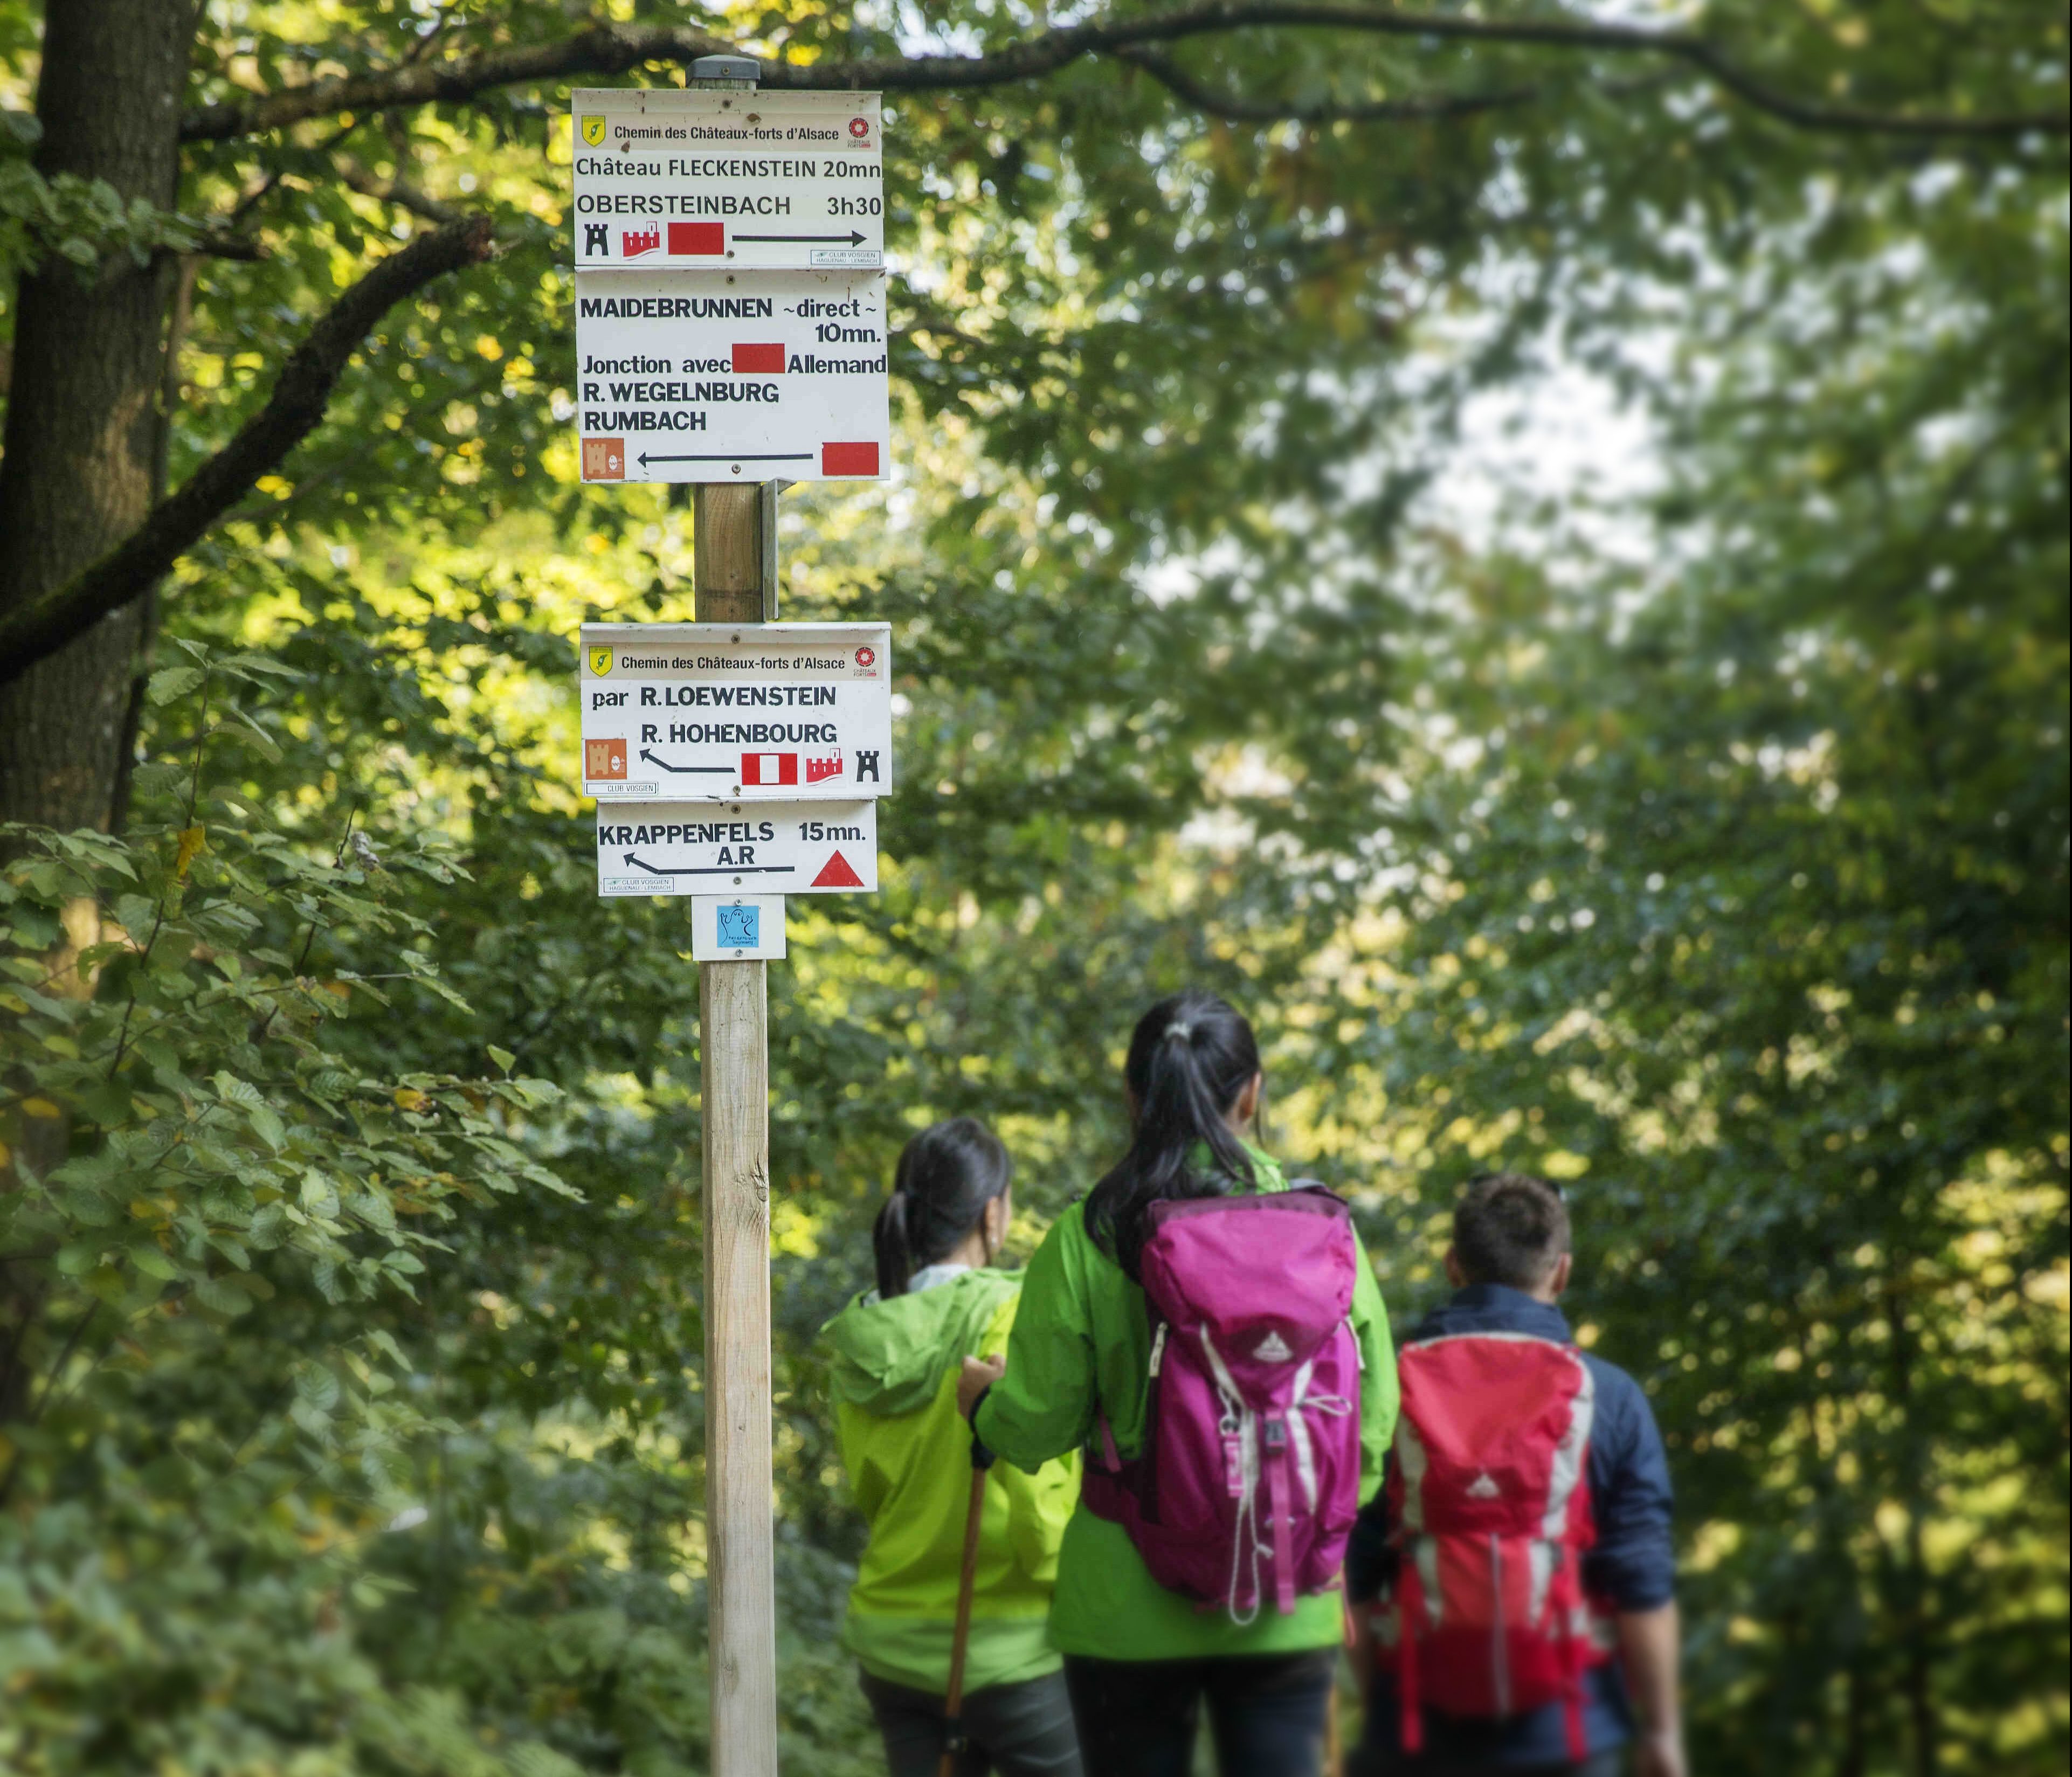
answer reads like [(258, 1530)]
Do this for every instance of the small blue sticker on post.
[(737, 927)]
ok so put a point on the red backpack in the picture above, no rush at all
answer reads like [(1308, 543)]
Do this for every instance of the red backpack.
[(1491, 1510)]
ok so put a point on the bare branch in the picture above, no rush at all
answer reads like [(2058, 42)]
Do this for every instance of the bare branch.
[(226, 246), (601, 49), (609, 49), (1423, 108), (291, 412)]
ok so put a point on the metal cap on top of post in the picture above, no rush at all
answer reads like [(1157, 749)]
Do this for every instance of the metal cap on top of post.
[(722, 71)]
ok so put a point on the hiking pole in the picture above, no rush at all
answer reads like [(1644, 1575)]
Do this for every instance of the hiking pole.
[(953, 1705)]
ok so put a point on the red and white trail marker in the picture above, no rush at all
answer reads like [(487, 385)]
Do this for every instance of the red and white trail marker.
[(709, 181), (734, 712)]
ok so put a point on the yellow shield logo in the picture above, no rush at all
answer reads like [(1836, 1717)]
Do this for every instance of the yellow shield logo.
[(600, 661), (592, 130)]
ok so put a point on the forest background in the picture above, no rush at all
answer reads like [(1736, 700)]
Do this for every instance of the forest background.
[(1668, 794)]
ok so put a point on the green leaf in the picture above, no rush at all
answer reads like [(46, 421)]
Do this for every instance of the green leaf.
[(234, 1091), (157, 779), (257, 736), (245, 664), (328, 1280), (266, 1121), (222, 1296), (170, 682), (318, 1384)]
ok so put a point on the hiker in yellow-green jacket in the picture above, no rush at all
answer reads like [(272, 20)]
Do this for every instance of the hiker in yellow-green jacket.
[(897, 1351)]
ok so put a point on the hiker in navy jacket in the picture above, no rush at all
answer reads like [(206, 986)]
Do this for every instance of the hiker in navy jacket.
[(1509, 1265)]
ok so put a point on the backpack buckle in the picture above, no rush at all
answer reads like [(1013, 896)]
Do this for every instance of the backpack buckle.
[(1277, 1436)]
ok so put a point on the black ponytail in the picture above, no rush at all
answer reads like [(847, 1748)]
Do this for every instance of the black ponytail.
[(946, 1175), (1191, 1059)]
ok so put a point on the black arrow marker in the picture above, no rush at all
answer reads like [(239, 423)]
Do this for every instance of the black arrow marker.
[(852, 237), (733, 456), (717, 870), (722, 771)]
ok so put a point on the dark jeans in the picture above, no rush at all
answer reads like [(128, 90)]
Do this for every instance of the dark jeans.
[(1368, 1762), (1139, 1717), (1018, 1731)]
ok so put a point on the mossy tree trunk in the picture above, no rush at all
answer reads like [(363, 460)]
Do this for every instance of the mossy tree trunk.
[(82, 418)]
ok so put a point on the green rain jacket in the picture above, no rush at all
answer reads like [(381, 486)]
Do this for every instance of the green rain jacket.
[(1083, 1343), (908, 1453)]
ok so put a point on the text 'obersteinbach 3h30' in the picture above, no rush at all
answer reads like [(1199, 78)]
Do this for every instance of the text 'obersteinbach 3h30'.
[(729, 257)]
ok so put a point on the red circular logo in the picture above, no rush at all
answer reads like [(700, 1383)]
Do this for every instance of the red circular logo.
[(859, 127), (866, 656)]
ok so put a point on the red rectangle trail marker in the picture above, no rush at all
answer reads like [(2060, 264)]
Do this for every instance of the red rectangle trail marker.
[(848, 459), (696, 237), (759, 360)]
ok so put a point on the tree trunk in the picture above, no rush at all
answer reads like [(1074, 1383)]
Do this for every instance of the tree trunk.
[(1850, 1760), (81, 416), (1917, 1621), (77, 478)]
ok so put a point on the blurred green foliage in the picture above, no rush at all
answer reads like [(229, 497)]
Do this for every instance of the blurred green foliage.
[(1702, 841)]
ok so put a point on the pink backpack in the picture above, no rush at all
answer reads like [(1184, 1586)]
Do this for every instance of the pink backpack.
[(1487, 1493), (1249, 1477)]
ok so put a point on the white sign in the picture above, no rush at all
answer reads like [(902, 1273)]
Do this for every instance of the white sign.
[(763, 712), (737, 928), (728, 180), (705, 377), (705, 848)]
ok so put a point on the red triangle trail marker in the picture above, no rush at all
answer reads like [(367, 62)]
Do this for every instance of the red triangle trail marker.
[(837, 872)]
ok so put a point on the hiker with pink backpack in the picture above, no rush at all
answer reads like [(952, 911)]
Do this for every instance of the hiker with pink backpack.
[(1213, 1338), (1514, 1576)]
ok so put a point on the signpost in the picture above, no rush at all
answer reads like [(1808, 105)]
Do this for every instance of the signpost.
[(706, 848), (726, 181), (713, 376), (730, 333), (773, 712)]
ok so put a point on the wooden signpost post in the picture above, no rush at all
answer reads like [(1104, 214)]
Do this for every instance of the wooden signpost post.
[(730, 328), (733, 1083)]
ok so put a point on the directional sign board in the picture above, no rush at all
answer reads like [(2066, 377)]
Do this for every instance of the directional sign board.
[(704, 848), (736, 713), (706, 377), (727, 180)]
